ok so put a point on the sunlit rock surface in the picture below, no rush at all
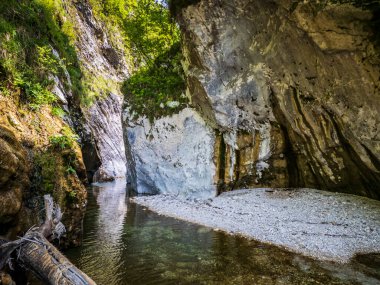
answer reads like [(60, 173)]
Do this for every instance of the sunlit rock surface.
[(293, 88), (173, 155), (30, 166), (104, 120), (104, 64)]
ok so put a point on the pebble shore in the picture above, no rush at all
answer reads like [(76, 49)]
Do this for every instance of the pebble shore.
[(323, 225)]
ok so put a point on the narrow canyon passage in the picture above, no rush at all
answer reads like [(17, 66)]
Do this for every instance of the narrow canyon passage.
[(258, 121)]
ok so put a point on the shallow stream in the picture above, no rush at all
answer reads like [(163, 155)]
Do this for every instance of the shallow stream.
[(125, 243)]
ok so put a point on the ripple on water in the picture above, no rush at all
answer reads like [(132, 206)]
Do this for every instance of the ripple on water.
[(127, 244)]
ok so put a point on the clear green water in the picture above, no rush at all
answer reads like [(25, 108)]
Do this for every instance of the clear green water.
[(125, 243)]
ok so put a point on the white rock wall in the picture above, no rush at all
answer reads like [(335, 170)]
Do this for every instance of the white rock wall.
[(173, 155), (104, 121)]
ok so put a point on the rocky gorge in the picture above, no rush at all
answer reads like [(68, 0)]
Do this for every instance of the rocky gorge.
[(40, 152), (277, 94), (290, 90)]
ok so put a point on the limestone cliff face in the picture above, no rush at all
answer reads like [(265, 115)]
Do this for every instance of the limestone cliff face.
[(105, 66), (173, 155), (97, 121), (292, 90), (104, 121)]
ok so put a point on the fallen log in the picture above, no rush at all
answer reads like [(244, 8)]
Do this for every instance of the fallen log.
[(50, 265), (34, 252)]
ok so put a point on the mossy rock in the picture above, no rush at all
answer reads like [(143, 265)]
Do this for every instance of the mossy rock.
[(14, 169)]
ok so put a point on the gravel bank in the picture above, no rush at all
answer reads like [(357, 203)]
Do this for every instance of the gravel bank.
[(320, 224)]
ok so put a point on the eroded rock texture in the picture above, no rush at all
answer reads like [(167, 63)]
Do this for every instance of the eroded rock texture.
[(14, 170), (173, 155), (31, 167), (104, 118), (104, 64), (95, 50), (293, 89)]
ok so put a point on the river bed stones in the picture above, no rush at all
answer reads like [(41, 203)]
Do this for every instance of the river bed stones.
[(320, 224)]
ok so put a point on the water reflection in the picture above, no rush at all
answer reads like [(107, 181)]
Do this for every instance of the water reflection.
[(100, 254), (111, 199), (125, 243)]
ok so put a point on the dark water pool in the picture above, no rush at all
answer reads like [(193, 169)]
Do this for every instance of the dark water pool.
[(125, 243)]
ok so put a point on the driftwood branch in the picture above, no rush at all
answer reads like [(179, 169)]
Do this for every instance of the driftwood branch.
[(35, 252)]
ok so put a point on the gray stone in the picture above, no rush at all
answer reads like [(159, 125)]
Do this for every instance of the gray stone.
[(104, 121), (320, 224), (304, 73), (173, 155)]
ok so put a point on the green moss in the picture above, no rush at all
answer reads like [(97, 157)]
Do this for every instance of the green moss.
[(55, 165), (65, 140), (48, 165), (29, 29)]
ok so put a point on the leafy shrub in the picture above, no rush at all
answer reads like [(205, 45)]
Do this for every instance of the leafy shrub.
[(157, 90), (28, 31), (47, 62), (157, 86), (58, 111), (146, 25), (60, 141), (65, 140), (35, 94)]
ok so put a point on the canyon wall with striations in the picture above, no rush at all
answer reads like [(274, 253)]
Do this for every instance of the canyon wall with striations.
[(103, 63), (291, 89), (40, 152)]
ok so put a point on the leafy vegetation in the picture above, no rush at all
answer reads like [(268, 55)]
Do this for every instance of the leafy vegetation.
[(157, 90), (156, 87), (147, 28), (34, 93), (29, 29), (65, 140), (55, 165), (58, 111)]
